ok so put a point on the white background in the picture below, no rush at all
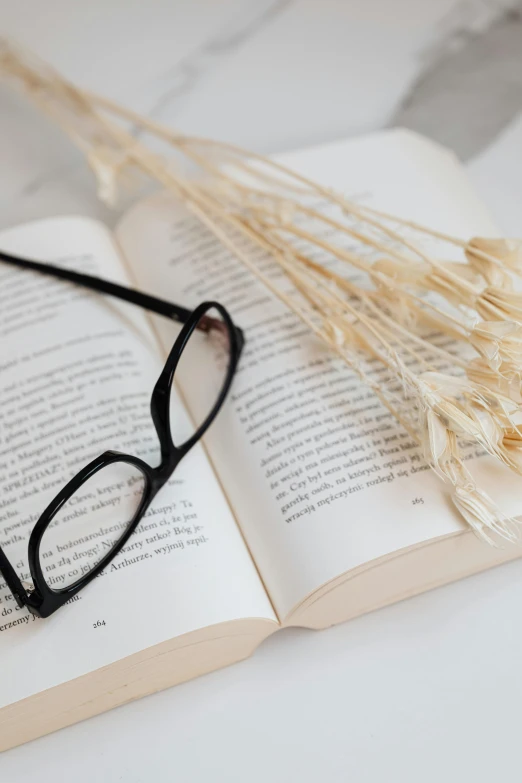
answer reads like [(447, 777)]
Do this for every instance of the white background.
[(427, 690)]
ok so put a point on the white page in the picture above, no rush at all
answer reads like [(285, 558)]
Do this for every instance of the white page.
[(320, 476), (76, 374)]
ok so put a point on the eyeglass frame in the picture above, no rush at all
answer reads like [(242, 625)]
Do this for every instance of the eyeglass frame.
[(40, 598)]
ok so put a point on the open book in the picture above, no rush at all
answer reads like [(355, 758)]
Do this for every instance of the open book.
[(306, 504)]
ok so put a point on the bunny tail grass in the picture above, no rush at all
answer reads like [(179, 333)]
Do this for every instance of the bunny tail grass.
[(444, 335)]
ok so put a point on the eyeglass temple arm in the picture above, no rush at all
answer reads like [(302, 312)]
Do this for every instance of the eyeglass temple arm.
[(12, 580), (152, 303)]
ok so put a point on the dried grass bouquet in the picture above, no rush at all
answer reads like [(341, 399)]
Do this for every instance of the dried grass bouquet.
[(439, 342)]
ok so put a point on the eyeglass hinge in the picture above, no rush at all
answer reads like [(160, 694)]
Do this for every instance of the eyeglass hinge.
[(28, 586)]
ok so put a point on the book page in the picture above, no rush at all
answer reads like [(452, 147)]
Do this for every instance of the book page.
[(320, 475), (76, 374)]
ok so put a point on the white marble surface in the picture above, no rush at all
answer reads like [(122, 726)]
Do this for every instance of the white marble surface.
[(426, 690)]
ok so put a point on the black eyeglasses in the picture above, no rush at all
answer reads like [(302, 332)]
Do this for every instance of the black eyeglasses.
[(118, 488)]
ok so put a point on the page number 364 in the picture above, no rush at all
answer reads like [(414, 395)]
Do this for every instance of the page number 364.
[(99, 623)]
